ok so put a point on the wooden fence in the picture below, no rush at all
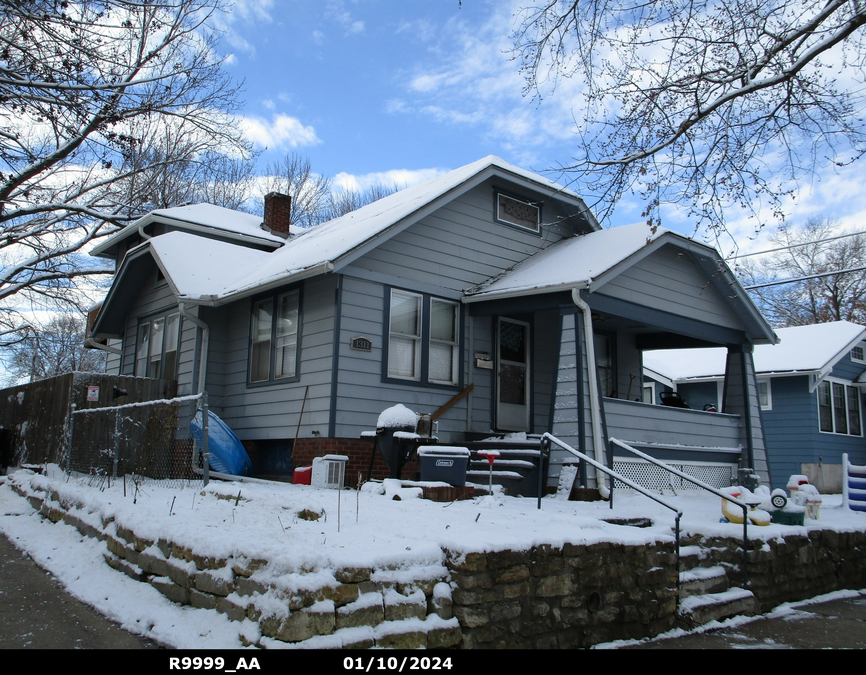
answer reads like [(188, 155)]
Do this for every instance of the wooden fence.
[(34, 417)]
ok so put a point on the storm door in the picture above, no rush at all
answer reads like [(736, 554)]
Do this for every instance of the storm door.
[(512, 375)]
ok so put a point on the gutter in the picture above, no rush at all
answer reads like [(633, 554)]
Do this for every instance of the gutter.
[(205, 338), (594, 397), (248, 291), (92, 344)]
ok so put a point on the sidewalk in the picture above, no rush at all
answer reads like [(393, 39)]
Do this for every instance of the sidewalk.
[(37, 613), (833, 624)]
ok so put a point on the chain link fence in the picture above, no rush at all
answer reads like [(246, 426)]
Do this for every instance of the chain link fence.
[(149, 441)]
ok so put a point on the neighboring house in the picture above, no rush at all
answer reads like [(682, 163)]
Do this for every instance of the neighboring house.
[(489, 276), (811, 392)]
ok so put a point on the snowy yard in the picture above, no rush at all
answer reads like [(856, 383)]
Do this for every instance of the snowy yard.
[(364, 528)]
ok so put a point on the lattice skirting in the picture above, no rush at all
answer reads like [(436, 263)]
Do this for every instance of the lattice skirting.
[(657, 479)]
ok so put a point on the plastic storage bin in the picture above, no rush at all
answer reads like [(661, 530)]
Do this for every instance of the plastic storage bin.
[(444, 463)]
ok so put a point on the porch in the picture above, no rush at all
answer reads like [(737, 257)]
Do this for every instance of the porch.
[(705, 445)]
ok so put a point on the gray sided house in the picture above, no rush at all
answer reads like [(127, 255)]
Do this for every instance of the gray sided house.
[(811, 389), (489, 279)]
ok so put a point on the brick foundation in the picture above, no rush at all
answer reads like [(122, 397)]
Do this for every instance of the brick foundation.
[(358, 451)]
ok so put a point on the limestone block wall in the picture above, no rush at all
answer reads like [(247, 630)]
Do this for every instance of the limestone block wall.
[(563, 597), (347, 608), (798, 567), (571, 595)]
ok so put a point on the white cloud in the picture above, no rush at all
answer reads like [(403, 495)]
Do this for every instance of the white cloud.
[(282, 131), (400, 178), (336, 10)]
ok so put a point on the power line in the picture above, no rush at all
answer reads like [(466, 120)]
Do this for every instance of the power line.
[(807, 278), (786, 248)]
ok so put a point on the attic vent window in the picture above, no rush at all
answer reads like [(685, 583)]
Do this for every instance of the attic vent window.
[(518, 213)]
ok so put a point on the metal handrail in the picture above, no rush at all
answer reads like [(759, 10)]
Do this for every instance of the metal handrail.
[(550, 438), (705, 486)]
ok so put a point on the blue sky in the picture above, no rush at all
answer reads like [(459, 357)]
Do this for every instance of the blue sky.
[(395, 92)]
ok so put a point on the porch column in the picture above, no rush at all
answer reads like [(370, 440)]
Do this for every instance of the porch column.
[(741, 398), (571, 406)]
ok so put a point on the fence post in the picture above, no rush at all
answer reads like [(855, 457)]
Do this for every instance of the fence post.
[(116, 444), (204, 444), (70, 430)]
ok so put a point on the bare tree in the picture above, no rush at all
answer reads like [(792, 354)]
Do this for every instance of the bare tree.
[(346, 200), (85, 87), (294, 176), (834, 279), (54, 349), (702, 103)]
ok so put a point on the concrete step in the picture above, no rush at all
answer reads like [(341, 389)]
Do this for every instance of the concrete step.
[(703, 580), (692, 557), (698, 610)]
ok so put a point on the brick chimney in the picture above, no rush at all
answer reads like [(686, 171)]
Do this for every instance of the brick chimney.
[(278, 214)]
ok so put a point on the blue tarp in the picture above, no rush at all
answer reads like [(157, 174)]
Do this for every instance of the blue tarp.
[(227, 454)]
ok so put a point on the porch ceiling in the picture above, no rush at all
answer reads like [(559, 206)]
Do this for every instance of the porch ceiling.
[(657, 329)]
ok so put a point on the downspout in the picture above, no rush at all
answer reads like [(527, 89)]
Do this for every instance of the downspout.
[(594, 398), (205, 336)]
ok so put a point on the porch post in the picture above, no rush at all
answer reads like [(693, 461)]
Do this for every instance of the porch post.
[(741, 398)]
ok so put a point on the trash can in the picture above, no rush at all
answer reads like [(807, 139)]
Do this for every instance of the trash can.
[(444, 463)]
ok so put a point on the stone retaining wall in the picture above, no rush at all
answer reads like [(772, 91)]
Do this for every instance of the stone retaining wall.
[(343, 608), (796, 568), (574, 596), (546, 597)]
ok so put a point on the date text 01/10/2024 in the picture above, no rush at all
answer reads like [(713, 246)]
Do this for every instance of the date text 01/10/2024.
[(393, 663)]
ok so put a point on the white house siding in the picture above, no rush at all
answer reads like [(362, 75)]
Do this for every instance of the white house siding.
[(270, 411)]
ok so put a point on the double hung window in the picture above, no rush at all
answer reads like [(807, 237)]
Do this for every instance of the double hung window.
[(274, 337), (157, 347), (839, 408), (423, 339)]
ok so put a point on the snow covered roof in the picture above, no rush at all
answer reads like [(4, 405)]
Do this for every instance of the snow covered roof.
[(221, 271), (571, 263), (198, 217), (802, 350)]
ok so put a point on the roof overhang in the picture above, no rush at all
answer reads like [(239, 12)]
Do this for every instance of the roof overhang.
[(106, 248)]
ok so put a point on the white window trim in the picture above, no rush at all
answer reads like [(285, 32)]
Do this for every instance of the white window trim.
[(292, 370), (862, 348), (147, 358), (769, 405), (847, 384), (416, 337), (423, 340), (453, 344), (503, 218)]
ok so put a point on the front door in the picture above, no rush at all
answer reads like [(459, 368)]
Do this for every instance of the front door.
[(512, 375)]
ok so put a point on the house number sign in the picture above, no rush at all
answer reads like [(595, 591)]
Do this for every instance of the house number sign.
[(362, 344)]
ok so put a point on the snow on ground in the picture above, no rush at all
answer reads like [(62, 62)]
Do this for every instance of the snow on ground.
[(366, 528)]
